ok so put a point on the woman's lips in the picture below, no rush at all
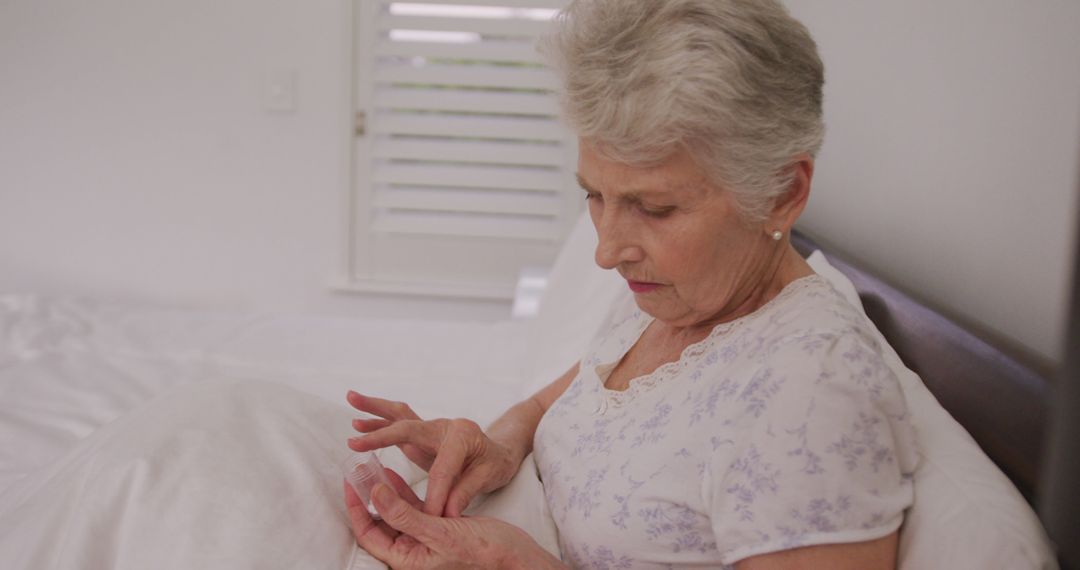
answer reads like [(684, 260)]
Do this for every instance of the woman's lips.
[(641, 286)]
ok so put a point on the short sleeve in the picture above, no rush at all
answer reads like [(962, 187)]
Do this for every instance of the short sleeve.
[(823, 451)]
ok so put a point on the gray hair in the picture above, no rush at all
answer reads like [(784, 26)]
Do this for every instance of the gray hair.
[(738, 83)]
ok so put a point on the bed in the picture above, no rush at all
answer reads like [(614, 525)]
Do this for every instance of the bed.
[(80, 375)]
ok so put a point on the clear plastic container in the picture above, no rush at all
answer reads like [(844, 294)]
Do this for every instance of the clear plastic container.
[(363, 471)]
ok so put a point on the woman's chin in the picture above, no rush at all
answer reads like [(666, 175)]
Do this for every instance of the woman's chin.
[(655, 307)]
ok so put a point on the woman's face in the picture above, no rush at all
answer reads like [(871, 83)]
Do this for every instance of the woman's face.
[(677, 239)]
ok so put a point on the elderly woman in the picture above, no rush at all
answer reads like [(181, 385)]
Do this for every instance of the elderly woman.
[(737, 412)]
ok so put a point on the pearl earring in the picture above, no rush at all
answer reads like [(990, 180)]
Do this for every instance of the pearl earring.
[(777, 234)]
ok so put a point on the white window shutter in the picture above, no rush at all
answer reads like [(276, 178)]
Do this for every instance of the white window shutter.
[(463, 173)]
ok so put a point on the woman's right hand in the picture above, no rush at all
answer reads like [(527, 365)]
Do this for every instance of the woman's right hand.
[(407, 539), (460, 459)]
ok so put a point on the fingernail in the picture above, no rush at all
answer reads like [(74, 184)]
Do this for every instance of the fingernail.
[(381, 495)]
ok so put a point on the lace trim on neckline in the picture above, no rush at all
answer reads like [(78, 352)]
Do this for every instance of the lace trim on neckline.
[(646, 382)]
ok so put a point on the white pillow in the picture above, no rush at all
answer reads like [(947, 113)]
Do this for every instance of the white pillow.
[(576, 300), (967, 513)]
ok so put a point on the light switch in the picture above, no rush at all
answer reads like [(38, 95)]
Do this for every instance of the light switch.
[(279, 91)]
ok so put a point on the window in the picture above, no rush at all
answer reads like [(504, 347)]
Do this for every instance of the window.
[(462, 172)]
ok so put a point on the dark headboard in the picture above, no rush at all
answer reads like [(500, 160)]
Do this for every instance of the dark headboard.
[(1001, 402)]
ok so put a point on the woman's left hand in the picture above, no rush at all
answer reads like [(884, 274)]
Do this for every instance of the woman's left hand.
[(407, 538)]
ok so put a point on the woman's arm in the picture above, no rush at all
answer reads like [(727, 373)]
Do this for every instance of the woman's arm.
[(877, 554), (462, 460), (515, 429)]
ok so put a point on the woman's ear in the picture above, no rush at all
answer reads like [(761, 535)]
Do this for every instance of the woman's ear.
[(789, 205)]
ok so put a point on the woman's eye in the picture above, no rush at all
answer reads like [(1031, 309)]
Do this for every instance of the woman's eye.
[(657, 212), (592, 196)]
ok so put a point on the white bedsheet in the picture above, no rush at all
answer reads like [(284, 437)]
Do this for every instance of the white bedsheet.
[(70, 367)]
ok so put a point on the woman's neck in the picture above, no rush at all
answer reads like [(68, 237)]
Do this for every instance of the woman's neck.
[(788, 266)]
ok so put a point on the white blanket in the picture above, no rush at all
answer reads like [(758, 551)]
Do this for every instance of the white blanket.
[(212, 475)]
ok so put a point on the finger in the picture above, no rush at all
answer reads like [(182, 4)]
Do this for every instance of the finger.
[(402, 517), (397, 433), (375, 538), (366, 425), (444, 472), (470, 484), (417, 455), (388, 409), (402, 488)]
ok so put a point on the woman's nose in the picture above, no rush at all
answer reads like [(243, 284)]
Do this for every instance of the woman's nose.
[(616, 241)]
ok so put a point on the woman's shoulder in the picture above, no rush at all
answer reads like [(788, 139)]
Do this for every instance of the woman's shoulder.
[(810, 345), (802, 319), (813, 300), (811, 317)]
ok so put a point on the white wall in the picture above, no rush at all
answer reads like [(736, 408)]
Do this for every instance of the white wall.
[(136, 159), (951, 153)]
